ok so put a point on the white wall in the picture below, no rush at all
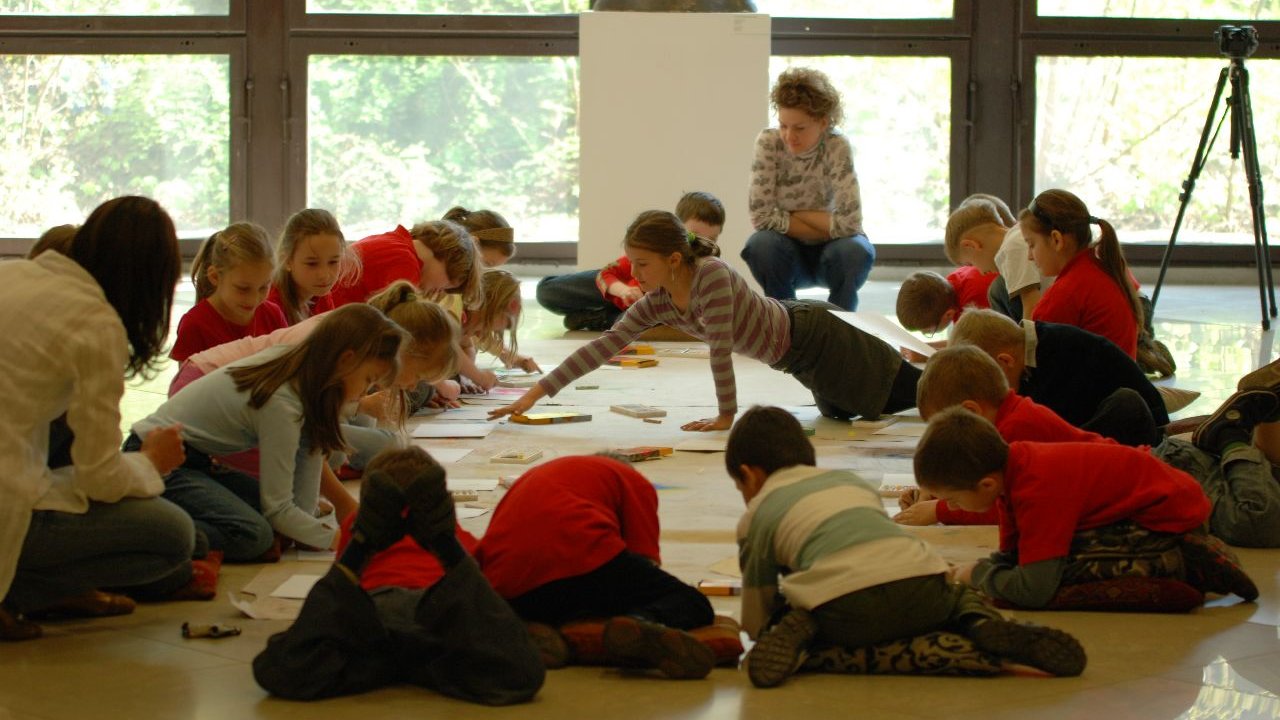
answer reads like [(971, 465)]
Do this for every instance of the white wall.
[(671, 102)]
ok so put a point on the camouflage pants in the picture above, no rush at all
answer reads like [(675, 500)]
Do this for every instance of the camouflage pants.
[(1124, 549)]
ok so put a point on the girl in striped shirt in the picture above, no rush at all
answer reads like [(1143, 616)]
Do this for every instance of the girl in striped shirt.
[(850, 372)]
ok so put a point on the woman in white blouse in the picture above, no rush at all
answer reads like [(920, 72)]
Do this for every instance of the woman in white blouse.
[(804, 199), (77, 514)]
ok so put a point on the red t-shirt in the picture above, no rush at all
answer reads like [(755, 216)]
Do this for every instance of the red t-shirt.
[(566, 518), (1019, 419), (384, 259), (404, 564), (315, 306), (202, 328), (617, 271), (1054, 490), (971, 286), (1084, 295)]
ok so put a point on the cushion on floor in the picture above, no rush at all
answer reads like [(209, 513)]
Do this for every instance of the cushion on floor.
[(1131, 594)]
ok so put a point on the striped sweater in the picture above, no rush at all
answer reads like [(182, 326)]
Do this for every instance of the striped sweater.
[(723, 311), (826, 533)]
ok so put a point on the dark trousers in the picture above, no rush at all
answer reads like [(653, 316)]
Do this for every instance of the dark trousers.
[(626, 585), (1125, 417), (998, 298), (457, 638), (900, 609)]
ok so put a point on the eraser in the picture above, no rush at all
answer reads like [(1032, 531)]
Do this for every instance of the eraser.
[(639, 411), (586, 387), (653, 421)]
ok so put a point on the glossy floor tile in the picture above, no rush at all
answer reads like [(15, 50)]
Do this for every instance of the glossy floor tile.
[(1222, 661)]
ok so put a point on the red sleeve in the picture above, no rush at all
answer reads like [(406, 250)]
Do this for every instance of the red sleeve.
[(948, 515), (638, 515), (617, 271)]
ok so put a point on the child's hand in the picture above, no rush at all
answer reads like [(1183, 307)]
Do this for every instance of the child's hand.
[(439, 401), (486, 379), (526, 363), (448, 389), (163, 447), (521, 406), (631, 296), (376, 405), (719, 422), (920, 513), (912, 356), (963, 573), (911, 497)]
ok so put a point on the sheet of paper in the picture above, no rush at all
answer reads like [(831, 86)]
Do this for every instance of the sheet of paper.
[(445, 455), (885, 329), (902, 429), (465, 484), (462, 414), (892, 479), (453, 430), (711, 444), (296, 587), (466, 513), (727, 566)]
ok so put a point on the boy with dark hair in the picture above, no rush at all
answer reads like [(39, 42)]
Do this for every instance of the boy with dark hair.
[(577, 538), (453, 634), (819, 555), (1062, 505), (1084, 378), (928, 302)]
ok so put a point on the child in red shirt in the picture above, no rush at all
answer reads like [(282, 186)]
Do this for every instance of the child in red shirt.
[(436, 256), (577, 538), (311, 257), (1094, 289), (404, 603), (1060, 504), (495, 238), (927, 302), (232, 273)]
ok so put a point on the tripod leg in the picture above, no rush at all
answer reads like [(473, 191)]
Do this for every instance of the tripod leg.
[(1189, 185), (1242, 119)]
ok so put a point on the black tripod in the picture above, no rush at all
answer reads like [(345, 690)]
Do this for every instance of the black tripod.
[(1240, 108)]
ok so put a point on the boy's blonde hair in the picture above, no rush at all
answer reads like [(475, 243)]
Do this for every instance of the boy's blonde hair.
[(487, 227), (923, 299), (238, 243), (991, 331), (500, 288), (453, 246), (975, 211), (956, 374), (57, 238), (300, 226), (958, 449)]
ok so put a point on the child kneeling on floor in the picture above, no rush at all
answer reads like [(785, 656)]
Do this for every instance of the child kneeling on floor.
[(848, 575), (1070, 513), (451, 633)]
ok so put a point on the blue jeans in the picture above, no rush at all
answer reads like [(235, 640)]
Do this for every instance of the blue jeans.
[(574, 292), (224, 505), (782, 264), (365, 439), (138, 544)]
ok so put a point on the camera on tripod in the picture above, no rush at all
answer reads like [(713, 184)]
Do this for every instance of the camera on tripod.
[(1236, 42)]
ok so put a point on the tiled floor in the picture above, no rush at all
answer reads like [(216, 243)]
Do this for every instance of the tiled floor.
[(1222, 661)]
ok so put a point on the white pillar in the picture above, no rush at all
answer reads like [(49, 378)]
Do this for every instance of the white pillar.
[(671, 102)]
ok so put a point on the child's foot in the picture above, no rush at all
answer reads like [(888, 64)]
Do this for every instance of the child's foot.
[(14, 627), (1212, 567), (550, 644), (1235, 420), (675, 653), (94, 603), (1047, 649), (781, 649)]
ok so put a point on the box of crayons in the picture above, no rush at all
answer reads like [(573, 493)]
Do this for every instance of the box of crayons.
[(551, 418), (637, 362)]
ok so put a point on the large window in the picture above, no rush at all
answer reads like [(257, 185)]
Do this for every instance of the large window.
[(1176, 9), (447, 7), (113, 7), (1121, 133), (866, 9), (80, 129), (402, 139), (898, 119)]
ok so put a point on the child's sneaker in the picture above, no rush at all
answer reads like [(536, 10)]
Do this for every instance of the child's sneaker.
[(1212, 567), (550, 644), (781, 650), (675, 653), (1266, 378), (1235, 420), (1043, 648)]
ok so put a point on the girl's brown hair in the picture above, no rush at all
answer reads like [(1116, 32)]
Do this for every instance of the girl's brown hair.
[(238, 243), (300, 226), (452, 245), (662, 232), (500, 288), (1062, 211), (809, 90), (313, 369), (487, 227), (129, 246)]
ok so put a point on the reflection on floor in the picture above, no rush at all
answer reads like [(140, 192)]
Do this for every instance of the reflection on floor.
[(1222, 661)]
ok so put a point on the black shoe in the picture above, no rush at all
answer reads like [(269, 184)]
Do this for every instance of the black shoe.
[(781, 650), (675, 653), (1047, 649), (1235, 420)]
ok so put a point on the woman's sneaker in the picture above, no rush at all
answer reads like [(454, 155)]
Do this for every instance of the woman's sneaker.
[(781, 650)]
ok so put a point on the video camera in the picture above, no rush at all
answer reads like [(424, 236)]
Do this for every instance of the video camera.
[(1236, 42)]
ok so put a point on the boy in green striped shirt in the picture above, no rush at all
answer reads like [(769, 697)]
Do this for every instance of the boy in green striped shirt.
[(821, 557)]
